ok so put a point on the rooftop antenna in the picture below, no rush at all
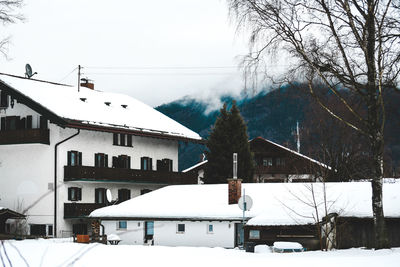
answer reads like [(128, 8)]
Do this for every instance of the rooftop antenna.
[(234, 166), (28, 71), (298, 137)]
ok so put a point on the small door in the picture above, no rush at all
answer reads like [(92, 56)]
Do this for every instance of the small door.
[(239, 235)]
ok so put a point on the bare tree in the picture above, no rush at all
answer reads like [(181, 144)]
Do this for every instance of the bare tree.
[(347, 45), (8, 14)]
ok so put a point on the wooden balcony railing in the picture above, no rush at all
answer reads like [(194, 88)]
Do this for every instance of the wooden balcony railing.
[(86, 173), (25, 136), (78, 210)]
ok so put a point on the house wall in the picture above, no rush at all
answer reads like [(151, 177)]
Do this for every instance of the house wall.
[(165, 233), (27, 170)]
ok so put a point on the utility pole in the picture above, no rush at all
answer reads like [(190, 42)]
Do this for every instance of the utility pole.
[(79, 77)]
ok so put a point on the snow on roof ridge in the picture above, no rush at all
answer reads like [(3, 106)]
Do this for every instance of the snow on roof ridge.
[(196, 165)]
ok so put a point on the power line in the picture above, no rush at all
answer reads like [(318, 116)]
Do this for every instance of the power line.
[(162, 68), (68, 74), (162, 73)]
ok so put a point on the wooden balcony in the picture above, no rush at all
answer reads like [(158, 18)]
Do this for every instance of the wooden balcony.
[(25, 136), (79, 210), (86, 173)]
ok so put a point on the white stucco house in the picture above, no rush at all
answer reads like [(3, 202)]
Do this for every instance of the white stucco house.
[(62, 147), (200, 215)]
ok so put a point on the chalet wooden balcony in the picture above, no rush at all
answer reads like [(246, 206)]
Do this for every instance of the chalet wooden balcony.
[(79, 210), (25, 136), (86, 173)]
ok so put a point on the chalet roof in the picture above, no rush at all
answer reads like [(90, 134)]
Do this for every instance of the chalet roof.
[(273, 204), (290, 151), (9, 214), (93, 109)]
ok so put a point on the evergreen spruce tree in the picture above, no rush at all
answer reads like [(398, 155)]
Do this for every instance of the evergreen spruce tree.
[(229, 136)]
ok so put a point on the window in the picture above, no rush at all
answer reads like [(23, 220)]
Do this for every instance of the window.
[(74, 158), (280, 162), (43, 123), (180, 228), (38, 229), (149, 229), (50, 229), (122, 225), (3, 100), (101, 160), (100, 195), (122, 161), (267, 162), (254, 234), (210, 228), (74, 193), (164, 165), (121, 139), (146, 163), (123, 194)]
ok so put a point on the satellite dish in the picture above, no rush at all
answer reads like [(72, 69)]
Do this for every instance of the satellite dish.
[(109, 195), (28, 71), (245, 199)]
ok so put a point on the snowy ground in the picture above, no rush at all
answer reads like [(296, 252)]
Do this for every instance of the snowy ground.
[(61, 252)]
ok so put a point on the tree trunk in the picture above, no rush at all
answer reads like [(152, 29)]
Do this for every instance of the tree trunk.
[(377, 144)]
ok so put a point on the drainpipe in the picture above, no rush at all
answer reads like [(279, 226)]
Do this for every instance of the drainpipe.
[(55, 180)]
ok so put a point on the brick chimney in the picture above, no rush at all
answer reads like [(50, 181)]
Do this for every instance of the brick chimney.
[(87, 83), (234, 190)]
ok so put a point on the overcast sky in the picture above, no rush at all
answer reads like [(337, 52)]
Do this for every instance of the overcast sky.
[(156, 51)]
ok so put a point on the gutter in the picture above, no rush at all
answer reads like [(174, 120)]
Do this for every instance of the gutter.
[(55, 180)]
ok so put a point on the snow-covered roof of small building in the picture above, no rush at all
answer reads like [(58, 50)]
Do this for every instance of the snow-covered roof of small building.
[(273, 204), (89, 107)]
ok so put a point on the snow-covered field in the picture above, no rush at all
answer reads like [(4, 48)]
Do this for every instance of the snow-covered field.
[(61, 252)]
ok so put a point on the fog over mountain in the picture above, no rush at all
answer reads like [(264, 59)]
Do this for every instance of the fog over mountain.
[(271, 114)]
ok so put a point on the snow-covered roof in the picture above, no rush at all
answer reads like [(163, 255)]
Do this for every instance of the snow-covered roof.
[(89, 107), (292, 151), (273, 204)]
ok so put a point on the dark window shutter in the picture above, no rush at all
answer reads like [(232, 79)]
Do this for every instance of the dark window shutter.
[(80, 158), (106, 160), (3, 99), (43, 122), (96, 195), (129, 140), (21, 124), (150, 164), (69, 158), (159, 165), (79, 194), (129, 162), (3, 124), (170, 165), (69, 193), (96, 162), (115, 139), (128, 194), (29, 122), (114, 162)]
